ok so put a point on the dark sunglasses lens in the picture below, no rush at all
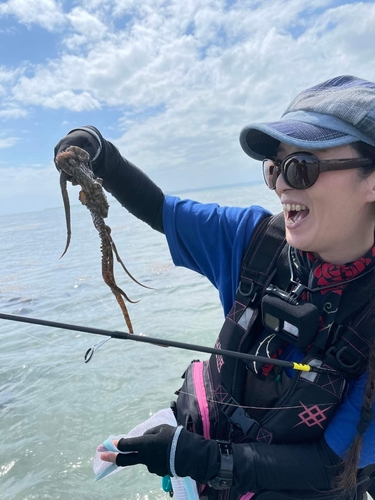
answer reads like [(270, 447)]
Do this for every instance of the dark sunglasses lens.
[(270, 173), (301, 171)]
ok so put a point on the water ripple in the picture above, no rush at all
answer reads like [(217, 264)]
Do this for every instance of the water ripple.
[(54, 408)]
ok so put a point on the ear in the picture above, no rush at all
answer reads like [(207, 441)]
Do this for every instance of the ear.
[(370, 180)]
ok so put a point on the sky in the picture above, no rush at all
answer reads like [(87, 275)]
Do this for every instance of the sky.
[(170, 82)]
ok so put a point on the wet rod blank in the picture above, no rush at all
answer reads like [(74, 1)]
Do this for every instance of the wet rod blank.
[(163, 342)]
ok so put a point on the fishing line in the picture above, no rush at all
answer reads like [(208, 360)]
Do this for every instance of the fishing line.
[(67, 347), (209, 400), (47, 341), (163, 342)]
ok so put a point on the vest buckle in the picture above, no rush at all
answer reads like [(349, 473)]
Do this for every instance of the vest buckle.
[(345, 358), (240, 419)]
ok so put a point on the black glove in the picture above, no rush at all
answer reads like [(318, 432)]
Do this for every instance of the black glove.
[(127, 183), (195, 456), (82, 139), (153, 450)]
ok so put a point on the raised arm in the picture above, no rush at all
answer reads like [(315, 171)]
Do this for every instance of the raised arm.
[(126, 182)]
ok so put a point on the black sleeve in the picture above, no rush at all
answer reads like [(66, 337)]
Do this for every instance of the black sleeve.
[(126, 182), (307, 466), (260, 466)]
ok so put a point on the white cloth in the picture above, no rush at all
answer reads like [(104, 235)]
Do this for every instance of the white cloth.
[(183, 488)]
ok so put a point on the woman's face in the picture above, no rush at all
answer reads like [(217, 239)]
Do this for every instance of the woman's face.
[(338, 223)]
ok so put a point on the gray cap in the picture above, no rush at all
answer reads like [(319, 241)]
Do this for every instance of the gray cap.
[(337, 112)]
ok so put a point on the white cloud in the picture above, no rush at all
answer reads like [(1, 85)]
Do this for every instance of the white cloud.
[(85, 23), (73, 101), (50, 90), (87, 28), (6, 75), (240, 51), (46, 13), (188, 75), (8, 142), (12, 112)]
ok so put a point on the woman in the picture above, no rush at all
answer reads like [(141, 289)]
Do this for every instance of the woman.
[(255, 430)]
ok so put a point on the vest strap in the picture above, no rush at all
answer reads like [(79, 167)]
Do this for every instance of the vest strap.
[(259, 262)]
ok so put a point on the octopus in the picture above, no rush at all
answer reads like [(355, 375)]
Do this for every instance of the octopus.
[(73, 164)]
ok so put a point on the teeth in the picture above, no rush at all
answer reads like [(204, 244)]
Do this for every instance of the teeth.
[(287, 207)]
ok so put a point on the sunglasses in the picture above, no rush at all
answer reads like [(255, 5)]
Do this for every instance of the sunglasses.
[(301, 170)]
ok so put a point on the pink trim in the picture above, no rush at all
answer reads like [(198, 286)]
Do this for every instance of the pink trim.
[(201, 397), (247, 496)]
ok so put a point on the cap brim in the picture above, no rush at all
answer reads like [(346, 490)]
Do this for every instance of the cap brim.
[(261, 140)]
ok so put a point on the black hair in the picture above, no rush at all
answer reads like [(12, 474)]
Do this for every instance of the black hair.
[(365, 151)]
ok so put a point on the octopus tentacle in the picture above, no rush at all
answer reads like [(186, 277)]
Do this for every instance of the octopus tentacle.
[(119, 260), (65, 197), (73, 164)]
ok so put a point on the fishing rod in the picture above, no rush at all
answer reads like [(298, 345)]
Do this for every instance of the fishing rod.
[(115, 334)]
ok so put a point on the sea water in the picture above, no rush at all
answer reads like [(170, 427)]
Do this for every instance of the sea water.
[(55, 409)]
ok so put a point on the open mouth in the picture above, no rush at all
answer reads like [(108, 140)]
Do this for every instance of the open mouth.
[(295, 213)]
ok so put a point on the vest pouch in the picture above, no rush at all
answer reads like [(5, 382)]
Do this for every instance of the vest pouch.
[(297, 324), (193, 406)]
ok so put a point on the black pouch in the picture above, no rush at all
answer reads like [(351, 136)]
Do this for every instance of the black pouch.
[(296, 323)]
